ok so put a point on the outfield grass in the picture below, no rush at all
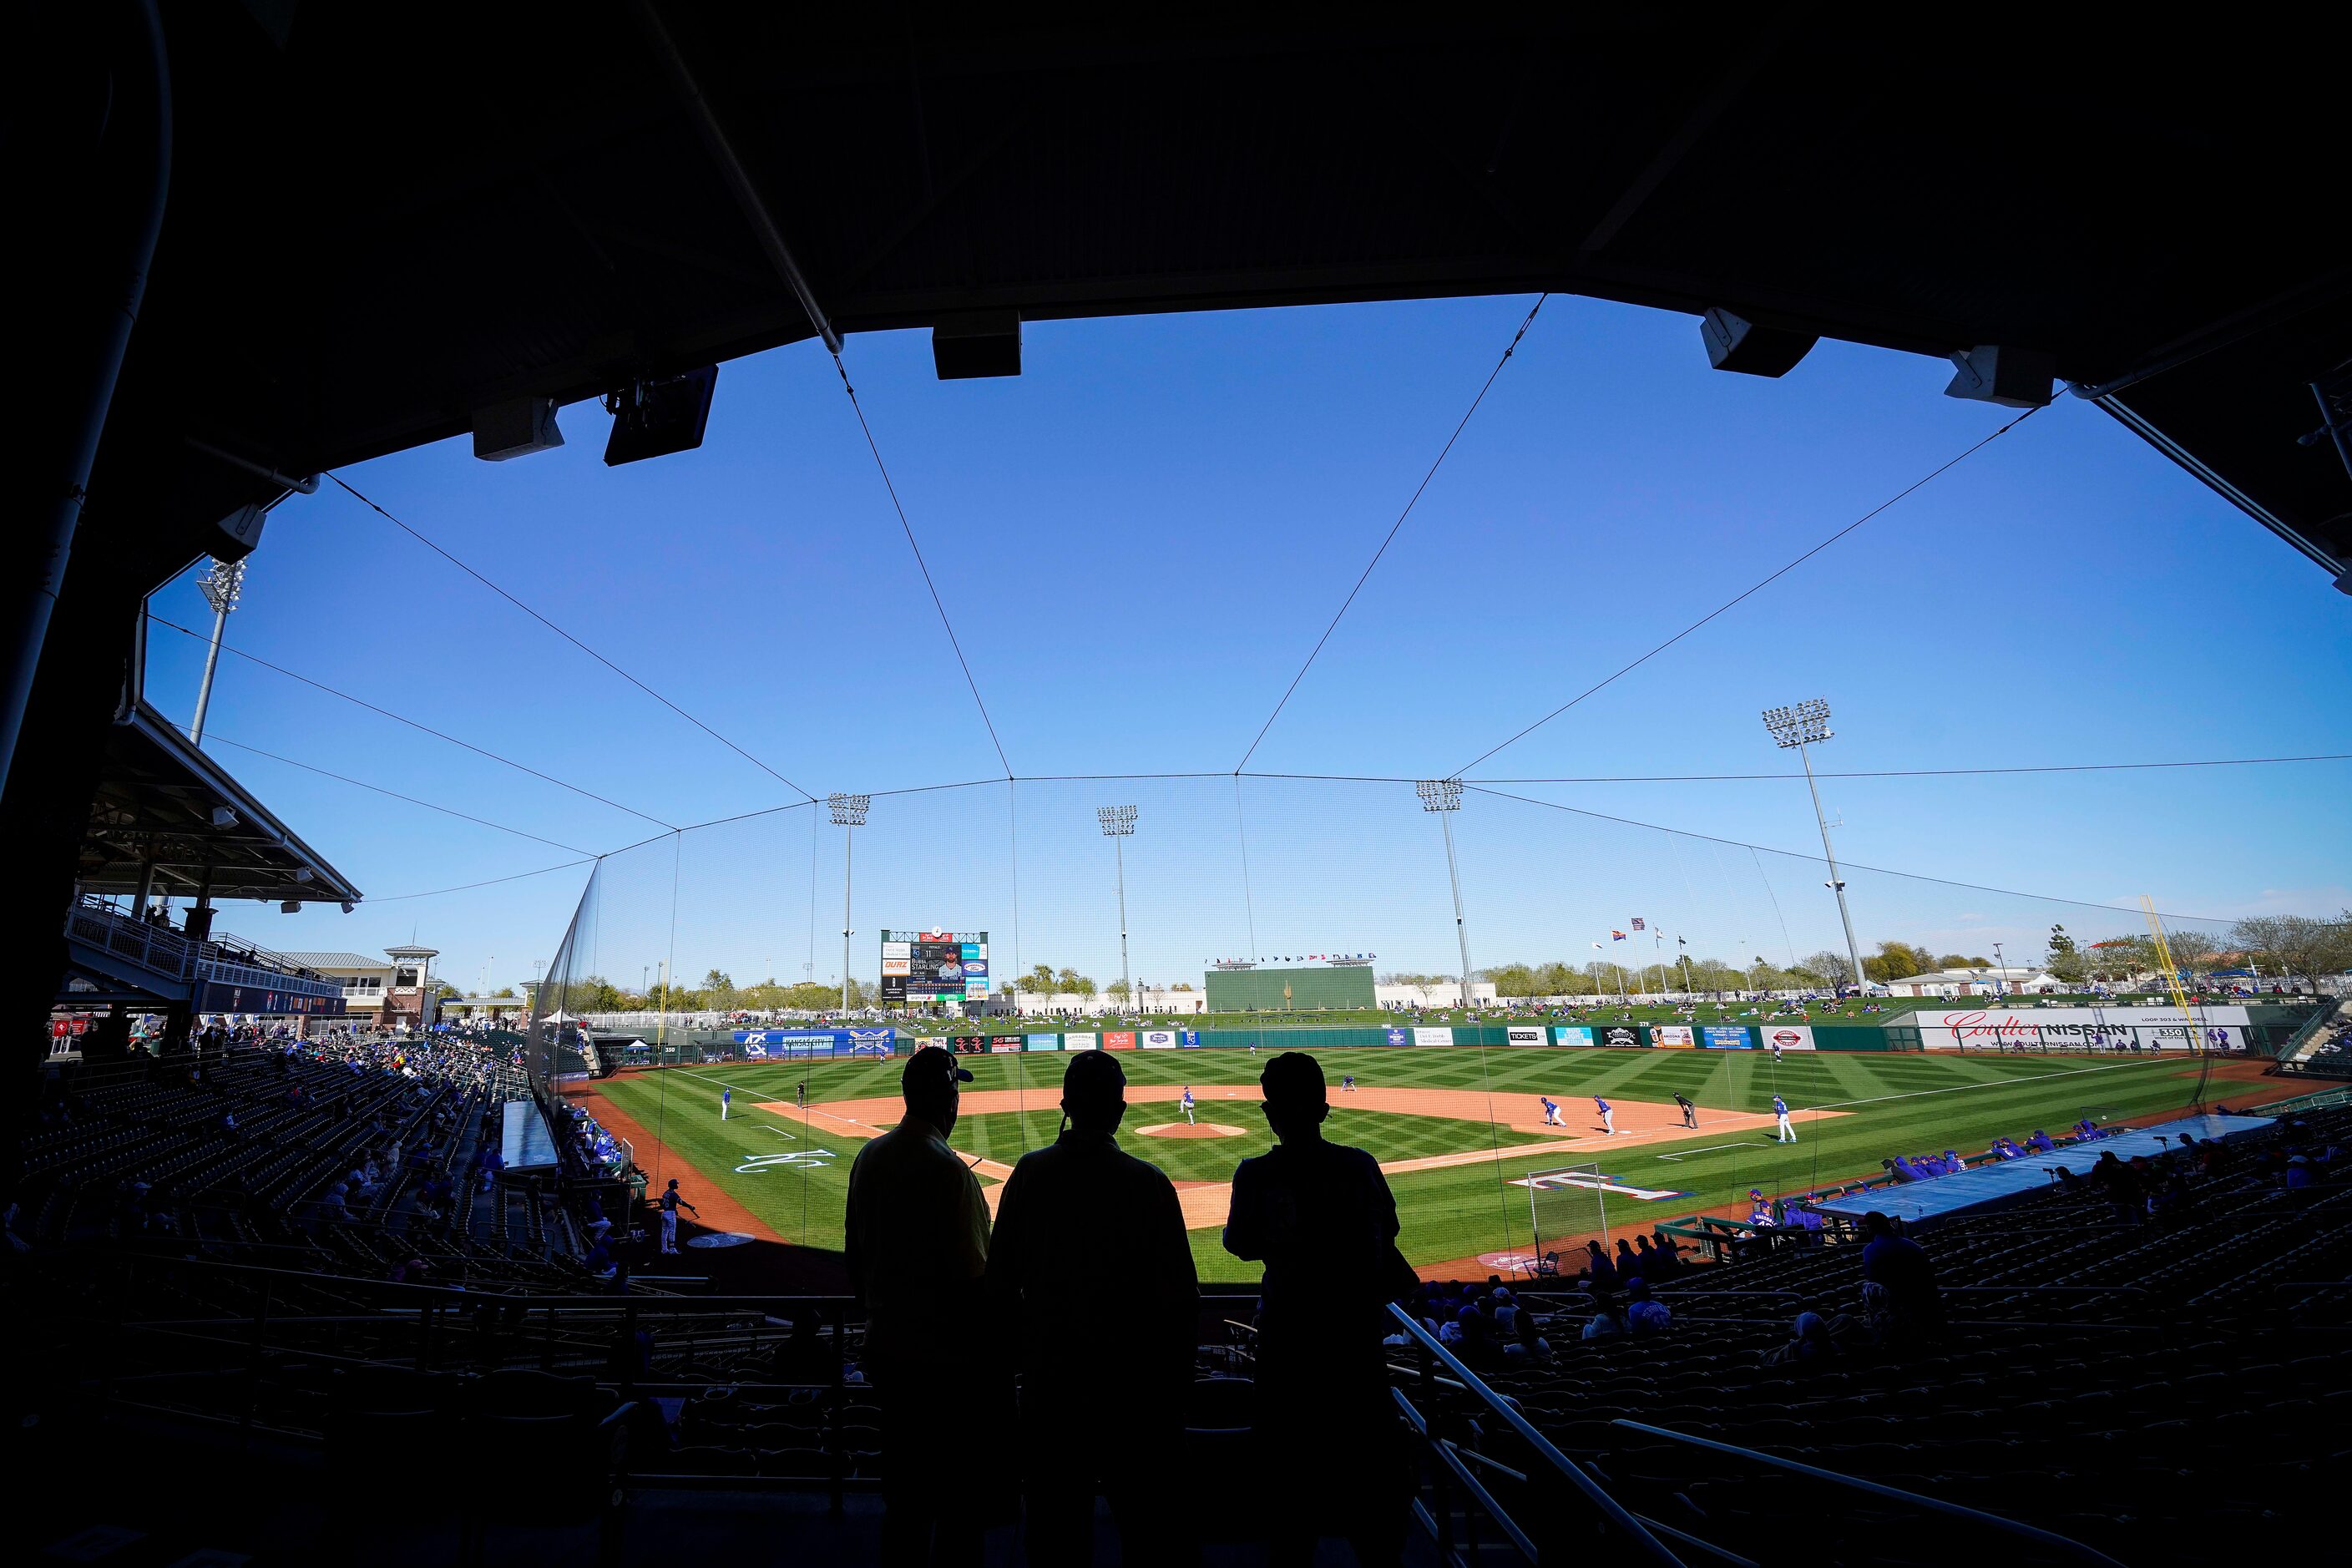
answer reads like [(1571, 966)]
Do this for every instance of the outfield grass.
[(1905, 1103)]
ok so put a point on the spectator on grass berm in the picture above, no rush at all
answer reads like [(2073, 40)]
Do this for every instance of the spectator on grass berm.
[(1321, 1218), (1898, 1281), (916, 1240), (1644, 1314), (1089, 1268)]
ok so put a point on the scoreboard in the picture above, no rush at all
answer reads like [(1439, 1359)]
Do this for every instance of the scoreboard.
[(923, 966)]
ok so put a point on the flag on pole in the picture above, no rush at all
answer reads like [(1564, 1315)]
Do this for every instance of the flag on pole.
[(1637, 923), (1615, 936)]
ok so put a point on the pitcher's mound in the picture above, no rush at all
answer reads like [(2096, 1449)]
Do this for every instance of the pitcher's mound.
[(1189, 1130)]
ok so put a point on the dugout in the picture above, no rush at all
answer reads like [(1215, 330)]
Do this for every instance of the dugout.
[(1343, 987)]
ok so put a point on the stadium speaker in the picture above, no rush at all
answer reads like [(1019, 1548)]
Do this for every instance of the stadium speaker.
[(1735, 343), (2012, 377), (515, 430), (654, 417), (981, 343), (238, 535)]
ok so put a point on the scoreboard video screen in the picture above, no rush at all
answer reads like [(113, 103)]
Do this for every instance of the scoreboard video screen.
[(934, 966)]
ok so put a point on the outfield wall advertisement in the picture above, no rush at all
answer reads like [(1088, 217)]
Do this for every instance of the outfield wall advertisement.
[(1789, 1036), (782, 1044), (2081, 1028)]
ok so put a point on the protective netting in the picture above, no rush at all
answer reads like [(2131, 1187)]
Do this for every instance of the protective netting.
[(1567, 1207), (717, 955)]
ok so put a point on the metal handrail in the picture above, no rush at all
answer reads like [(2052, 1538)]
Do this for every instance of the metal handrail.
[(1610, 1509), (1875, 1489)]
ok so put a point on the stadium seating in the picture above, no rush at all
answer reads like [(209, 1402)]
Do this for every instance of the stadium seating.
[(2097, 1371), (2092, 1373)]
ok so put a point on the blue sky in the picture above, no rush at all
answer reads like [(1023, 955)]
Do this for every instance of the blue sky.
[(1140, 538)]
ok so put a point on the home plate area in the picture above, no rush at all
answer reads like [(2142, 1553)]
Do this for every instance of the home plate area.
[(1205, 1203)]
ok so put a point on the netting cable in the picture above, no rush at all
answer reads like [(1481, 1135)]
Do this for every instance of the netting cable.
[(1389, 537), (1750, 591), (561, 631)]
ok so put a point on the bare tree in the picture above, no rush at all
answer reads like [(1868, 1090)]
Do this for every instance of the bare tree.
[(1834, 967)]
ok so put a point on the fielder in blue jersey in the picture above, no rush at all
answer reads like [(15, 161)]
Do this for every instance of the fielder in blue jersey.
[(1608, 1117), (1782, 1132)]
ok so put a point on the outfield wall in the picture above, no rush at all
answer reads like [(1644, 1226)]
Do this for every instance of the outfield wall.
[(2055, 1033)]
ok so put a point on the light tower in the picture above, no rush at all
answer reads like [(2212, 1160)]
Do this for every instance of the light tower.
[(1443, 796), (221, 587), (1795, 728), (849, 815), (1118, 823)]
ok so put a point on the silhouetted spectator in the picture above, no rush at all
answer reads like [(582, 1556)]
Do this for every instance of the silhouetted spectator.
[(1644, 1314), (1809, 1341), (1667, 1251), (1321, 1218), (1608, 1319), (1897, 1269), (1528, 1346), (1599, 1274), (1091, 1266), (916, 1240)]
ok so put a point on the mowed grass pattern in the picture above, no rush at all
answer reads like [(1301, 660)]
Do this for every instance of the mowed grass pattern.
[(1892, 1103)]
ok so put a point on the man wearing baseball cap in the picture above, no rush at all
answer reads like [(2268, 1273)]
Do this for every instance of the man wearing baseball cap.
[(916, 1239), (1320, 1217), (1090, 1267)]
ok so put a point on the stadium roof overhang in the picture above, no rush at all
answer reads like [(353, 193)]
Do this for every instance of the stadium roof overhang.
[(387, 219), (162, 801)]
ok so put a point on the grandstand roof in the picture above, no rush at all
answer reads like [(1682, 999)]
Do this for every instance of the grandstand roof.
[(156, 800), (462, 205), (338, 960)]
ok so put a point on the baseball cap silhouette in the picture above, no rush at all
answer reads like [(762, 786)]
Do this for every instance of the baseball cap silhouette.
[(931, 1068), (1093, 1079), (1292, 1078)]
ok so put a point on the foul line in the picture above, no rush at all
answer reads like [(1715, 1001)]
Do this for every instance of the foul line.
[(1713, 1148)]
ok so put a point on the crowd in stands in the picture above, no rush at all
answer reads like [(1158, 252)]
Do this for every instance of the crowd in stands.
[(377, 1154)]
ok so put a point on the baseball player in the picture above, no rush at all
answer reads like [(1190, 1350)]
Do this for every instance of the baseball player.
[(1782, 1132), (800, 1094), (670, 1204), (726, 1103), (1759, 1211), (1608, 1117), (1690, 1111), (1348, 1084), (1776, 1053), (1551, 1112), (1188, 1105)]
